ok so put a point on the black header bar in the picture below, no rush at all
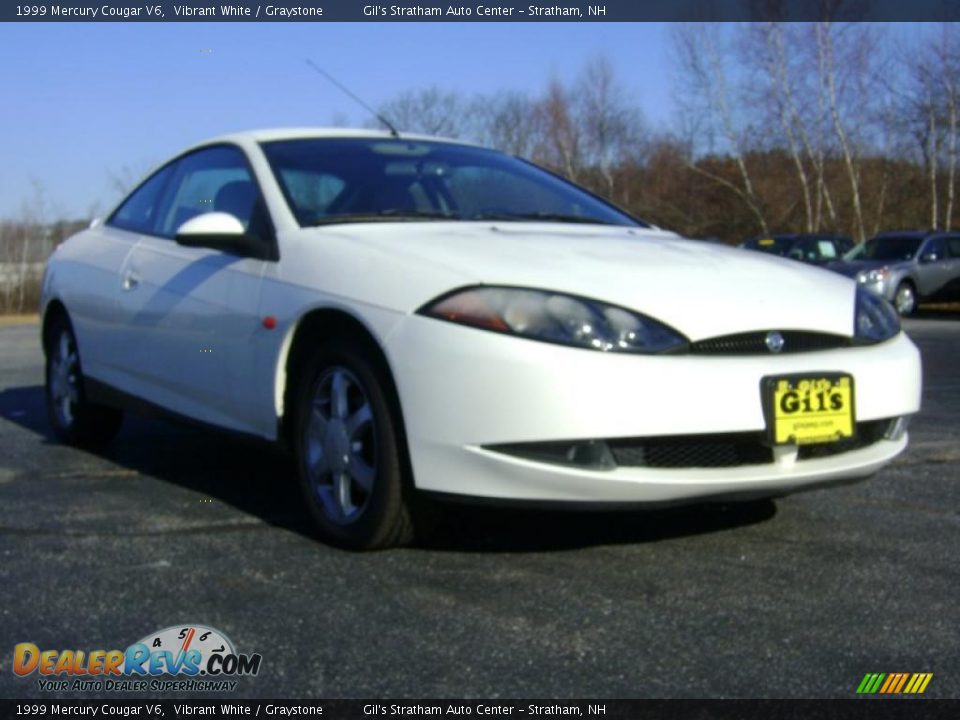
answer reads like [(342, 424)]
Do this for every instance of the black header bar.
[(480, 11), (859, 709)]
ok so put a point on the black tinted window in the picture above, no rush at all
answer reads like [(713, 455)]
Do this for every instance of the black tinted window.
[(139, 211), (887, 248), (349, 179)]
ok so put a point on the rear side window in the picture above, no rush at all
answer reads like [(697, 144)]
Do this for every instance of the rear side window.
[(139, 211)]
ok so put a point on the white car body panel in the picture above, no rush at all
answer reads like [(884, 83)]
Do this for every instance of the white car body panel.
[(204, 306), (462, 388)]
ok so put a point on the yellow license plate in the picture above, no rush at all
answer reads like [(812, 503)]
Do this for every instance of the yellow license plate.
[(804, 410)]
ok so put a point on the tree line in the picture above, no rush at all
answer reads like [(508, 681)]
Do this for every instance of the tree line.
[(779, 127)]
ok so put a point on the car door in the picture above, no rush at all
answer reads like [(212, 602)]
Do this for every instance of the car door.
[(951, 288), (191, 312), (95, 311), (933, 267)]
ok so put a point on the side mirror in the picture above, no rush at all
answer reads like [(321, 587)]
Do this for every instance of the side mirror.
[(929, 257), (95, 223), (220, 231)]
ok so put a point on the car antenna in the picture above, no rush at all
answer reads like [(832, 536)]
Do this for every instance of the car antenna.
[(378, 116)]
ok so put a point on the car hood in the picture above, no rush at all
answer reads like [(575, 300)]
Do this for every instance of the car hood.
[(703, 290), (850, 268)]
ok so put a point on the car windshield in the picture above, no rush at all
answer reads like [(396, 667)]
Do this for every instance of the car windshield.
[(774, 245), (886, 248), (341, 180)]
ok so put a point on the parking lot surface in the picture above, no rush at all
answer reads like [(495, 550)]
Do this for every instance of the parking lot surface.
[(798, 597)]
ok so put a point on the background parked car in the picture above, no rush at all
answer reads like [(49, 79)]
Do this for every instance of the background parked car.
[(907, 267), (813, 249)]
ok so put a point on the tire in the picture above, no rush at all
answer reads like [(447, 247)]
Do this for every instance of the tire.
[(351, 460), (905, 298), (75, 420)]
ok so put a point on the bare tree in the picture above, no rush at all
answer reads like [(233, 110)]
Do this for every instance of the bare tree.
[(856, 71), (931, 149), (704, 78), (26, 241), (612, 130), (509, 122), (562, 142), (948, 55), (431, 111)]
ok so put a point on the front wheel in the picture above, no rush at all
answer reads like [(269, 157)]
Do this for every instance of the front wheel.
[(75, 420), (349, 455), (905, 299)]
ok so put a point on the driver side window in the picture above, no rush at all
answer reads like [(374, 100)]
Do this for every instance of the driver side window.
[(211, 180)]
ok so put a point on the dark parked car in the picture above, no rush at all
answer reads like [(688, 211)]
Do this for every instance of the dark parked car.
[(907, 267), (809, 248)]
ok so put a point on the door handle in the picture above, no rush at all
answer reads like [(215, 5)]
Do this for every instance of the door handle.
[(130, 281)]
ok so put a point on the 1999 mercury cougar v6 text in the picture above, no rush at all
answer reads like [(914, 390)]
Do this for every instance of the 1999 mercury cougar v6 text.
[(410, 315)]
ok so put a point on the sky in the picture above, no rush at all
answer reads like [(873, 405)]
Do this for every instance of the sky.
[(83, 103)]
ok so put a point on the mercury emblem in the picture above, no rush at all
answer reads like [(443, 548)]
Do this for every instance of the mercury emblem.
[(774, 341)]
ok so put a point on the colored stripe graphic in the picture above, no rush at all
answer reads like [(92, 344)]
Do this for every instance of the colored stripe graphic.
[(891, 681), (920, 683), (871, 683), (894, 683)]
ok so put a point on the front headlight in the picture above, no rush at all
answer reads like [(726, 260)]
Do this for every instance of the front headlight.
[(556, 318), (873, 276), (875, 319)]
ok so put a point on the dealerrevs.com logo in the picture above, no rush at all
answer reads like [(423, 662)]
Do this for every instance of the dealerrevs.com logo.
[(200, 658)]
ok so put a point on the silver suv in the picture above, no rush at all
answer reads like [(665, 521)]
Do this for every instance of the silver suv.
[(907, 267)]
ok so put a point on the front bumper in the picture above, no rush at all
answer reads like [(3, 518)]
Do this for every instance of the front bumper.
[(463, 390)]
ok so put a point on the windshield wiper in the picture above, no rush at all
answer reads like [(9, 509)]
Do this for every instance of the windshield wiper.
[(544, 216), (387, 215)]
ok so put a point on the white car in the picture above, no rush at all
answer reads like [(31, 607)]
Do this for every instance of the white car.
[(410, 315)]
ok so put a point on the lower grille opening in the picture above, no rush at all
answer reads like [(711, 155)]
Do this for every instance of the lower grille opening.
[(724, 450), (867, 434), (707, 451)]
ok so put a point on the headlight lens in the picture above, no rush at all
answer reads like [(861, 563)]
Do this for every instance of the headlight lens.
[(873, 276), (875, 319), (556, 318)]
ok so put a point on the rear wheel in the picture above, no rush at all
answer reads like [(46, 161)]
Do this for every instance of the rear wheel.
[(349, 454), (74, 419), (905, 299)]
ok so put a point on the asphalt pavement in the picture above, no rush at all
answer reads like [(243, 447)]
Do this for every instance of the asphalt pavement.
[(798, 597)]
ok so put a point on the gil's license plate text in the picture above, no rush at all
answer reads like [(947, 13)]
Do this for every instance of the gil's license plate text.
[(809, 410)]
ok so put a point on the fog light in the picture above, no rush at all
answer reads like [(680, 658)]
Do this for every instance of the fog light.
[(592, 453), (586, 454), (897, 428)]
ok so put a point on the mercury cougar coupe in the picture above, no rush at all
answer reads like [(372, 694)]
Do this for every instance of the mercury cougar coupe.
[(413, 316)]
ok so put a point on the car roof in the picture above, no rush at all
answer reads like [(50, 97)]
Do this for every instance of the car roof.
[(307, 133), (917, 234), (796, 236)]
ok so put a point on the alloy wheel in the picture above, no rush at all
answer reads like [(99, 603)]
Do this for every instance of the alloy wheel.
[(64, 379), (340, 446), (905, 300)]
